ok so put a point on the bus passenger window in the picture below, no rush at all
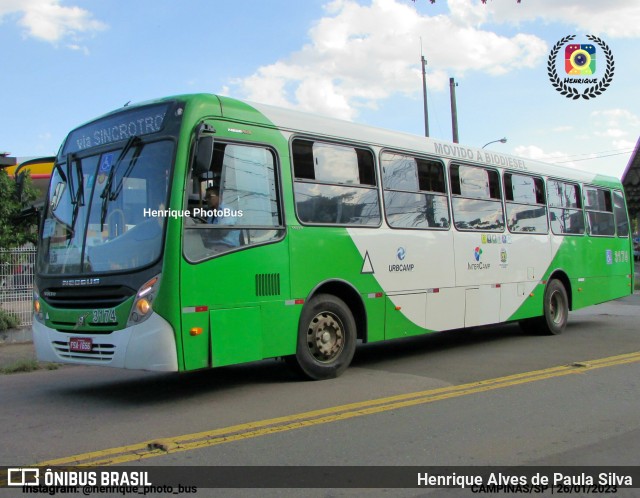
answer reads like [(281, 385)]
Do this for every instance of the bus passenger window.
[(620, 211), (334, 184), (565, 208), (414, 192), (526, 207), (599, 209), (476, 200)]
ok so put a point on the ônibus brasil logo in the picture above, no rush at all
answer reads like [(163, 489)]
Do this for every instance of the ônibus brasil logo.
[(580, 68)]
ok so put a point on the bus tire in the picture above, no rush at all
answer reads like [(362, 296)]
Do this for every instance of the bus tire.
[(326, 338), (555, 311)]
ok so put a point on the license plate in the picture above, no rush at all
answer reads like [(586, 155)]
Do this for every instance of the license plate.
[(81, 344)]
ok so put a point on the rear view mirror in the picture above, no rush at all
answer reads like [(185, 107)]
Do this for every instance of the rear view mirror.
[(57, 195), (204, 149), (204, 154), (20, 185)]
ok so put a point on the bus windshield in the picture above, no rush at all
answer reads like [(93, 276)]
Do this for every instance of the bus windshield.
[(102, 210)]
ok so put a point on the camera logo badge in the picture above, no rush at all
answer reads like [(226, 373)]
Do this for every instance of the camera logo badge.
[(580, 59), (588, 67)]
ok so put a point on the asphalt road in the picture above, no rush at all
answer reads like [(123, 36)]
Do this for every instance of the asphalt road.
[(487, 396)]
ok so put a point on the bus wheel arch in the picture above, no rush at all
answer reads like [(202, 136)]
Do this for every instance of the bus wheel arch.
[(555, 307), (331, 322), (326, 340), (350, 296), (564, 279)]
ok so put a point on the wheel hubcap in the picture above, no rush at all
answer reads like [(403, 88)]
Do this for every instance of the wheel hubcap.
[(556, 307), (325, 337)]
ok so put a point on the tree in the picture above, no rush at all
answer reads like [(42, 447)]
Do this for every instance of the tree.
[(18, 218)]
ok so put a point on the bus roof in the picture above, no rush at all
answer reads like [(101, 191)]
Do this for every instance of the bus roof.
[(335, 129)]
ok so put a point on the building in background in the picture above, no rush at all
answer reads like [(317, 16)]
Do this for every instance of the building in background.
[(631, 182)]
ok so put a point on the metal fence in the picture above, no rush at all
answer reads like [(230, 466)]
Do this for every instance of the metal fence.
[(16, 281)]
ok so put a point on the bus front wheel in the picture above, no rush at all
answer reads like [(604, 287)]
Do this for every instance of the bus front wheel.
[(555, 311), (326, 338)]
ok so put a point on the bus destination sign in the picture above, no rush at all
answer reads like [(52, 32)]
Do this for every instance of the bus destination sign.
[(117, 127)]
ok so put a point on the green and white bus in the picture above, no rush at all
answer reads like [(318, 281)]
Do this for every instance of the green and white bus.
[(200, 231)]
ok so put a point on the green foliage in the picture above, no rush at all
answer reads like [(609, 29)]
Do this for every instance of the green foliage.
[(18, 223), (8, 320), (20, 366)]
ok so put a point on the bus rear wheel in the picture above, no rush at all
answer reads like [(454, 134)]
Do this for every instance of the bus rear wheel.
[(555, 314), (326, 338)]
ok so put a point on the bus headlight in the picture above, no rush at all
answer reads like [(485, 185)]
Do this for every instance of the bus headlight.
[(143, 305), (37, 307)]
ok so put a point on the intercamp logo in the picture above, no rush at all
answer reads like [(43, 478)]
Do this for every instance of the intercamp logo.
[(477, 253)]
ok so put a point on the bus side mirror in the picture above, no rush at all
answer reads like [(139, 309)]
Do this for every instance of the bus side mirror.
[(204, 155), (20, 185)]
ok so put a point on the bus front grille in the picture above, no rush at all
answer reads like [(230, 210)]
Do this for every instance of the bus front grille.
[(100, 353), (87, 298)]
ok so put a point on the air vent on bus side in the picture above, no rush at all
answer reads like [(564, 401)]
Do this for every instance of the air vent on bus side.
[(268, 284)]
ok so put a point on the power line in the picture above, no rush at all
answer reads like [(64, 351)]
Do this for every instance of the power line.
[(621, 150), (594, 157)]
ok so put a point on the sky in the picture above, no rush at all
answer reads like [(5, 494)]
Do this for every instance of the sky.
[(65, 62)]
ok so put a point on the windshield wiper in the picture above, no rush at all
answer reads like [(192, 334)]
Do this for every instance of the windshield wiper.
[(106, 194), (134, 159), (58, 168), (77, 196), (72, 190)]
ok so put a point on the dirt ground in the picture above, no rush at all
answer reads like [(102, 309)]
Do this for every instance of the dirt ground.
[(12, 353)]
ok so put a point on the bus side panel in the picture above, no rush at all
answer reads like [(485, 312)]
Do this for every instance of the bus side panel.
[(376, 316), (397, 324), (597, 269), (197, 354), (237, 334), (414, 268), (531, 299), (239, 300), (319, 254), (501, 273), (605, 273), (279, 328)]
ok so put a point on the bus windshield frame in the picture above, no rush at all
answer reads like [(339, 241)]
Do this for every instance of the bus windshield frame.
[(109, 176)]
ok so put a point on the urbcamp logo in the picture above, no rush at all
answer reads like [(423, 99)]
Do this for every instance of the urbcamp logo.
[(477, 253), (400, 255), (583, 77)]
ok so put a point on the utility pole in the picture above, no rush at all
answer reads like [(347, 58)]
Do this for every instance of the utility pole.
[(424, 95), (454, 110)]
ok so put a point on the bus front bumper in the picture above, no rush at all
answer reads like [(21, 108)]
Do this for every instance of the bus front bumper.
[(150, 345)]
